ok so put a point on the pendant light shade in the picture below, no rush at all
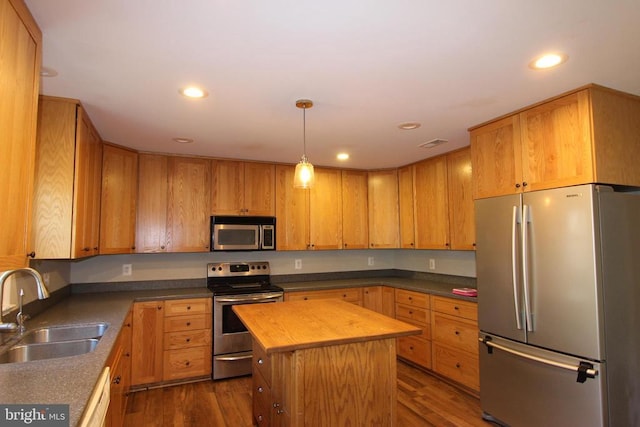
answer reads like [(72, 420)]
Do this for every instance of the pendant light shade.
[(303, 177)]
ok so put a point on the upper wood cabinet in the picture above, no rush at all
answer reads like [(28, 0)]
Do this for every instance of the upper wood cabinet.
[(587, 135), (173, 204), (431, 204), (66, 210), (242, 188), (20, 53), (383, 209), (355, 218), (118, 206), (462, 222), (309, 219), (405, 196)]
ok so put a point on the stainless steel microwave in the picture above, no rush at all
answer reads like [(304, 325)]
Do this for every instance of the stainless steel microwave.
[(243, 233)]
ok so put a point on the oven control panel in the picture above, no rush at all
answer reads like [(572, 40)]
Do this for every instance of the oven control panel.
[(227, 269)]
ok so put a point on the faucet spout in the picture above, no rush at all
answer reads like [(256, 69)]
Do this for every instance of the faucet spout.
[(43, 292)]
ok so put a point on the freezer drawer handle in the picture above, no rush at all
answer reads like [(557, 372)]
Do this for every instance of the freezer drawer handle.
[(585, 370)]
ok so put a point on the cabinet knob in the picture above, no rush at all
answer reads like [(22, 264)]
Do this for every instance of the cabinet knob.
[(186, 363), (162, 247), (457, 365), (95, 248), (457, 333), (117, 380), (188, 323), (524, 184), (159, 307), (260, 361), (260, 390), (31, 254), (86, 249), (456, 308), (188, 307), (276, 405), (189, 339), (260, 418)]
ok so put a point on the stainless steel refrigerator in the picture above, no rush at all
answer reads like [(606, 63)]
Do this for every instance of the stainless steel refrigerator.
[(558, 274)]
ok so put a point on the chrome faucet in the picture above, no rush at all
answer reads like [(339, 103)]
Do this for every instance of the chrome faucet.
[(43, 293)]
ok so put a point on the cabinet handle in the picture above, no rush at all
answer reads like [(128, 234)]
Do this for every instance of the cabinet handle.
[(128, 325), (189, 339), (95, 248), (127, 354), (85, 249), (133, 248), (31, 254), (524, 184), (259, 417), (162, 247), (260, 361), (411, 347), (446, 244), (188, 323), (260, 390), (187, 363), (457, 333), (276, 405), (456, 307), (518, 185), (457, 365), (117, 380), (280, 411), (159, 307), (188, 307)]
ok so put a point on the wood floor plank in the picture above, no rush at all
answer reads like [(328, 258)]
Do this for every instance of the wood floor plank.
[(423, 400)]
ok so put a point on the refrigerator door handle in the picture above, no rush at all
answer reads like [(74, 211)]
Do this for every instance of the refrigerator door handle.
[(584, 370), (514, 264), (525, 266)]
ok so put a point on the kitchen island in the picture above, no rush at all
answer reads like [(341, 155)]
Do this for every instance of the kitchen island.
[(323, 362)]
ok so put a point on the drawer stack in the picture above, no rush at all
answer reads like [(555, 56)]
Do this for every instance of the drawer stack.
[(413, 307), (261, 377), (352, 295), (455, 340), (187, 338)]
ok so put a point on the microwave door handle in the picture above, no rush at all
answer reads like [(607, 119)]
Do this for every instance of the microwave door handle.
[(514, 263)]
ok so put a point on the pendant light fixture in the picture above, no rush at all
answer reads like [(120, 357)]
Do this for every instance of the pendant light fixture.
[(303, 177)]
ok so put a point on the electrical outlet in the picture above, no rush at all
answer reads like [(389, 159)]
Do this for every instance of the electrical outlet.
[(126, 269), (47, 278), (432, 264), (298, 264), (370, 261)]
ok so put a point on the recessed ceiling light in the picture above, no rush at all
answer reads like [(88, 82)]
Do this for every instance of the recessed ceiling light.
[(548, 60), (183, 140), (409, 125), (342, 156), (48, 72), (193, 92)]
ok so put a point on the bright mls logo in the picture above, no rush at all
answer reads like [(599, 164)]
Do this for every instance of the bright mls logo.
[(34, 415)]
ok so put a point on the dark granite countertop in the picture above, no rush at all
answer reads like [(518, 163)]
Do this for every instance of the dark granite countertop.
[(70, 380)]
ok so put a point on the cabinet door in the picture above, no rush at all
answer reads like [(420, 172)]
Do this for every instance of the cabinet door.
[(146, 342), (227, 187), (380, 299), (556, 143), (188, 204), (431, 204), (292, 212), (118, 207), (496, 159), (259, 189), (151, 222), (383, 209), (405, 195), (325, 210), (86, 197), (462, 226), (20, 50), (355, 216)]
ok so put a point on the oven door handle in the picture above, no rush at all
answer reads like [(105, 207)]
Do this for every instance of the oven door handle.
[(253, 298), (233, 358)]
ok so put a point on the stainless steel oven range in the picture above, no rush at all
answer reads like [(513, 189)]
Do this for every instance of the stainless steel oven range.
[(231, 284)]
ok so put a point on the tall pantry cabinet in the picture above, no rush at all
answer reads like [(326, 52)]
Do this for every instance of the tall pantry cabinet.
[(66, 212), (20, 58)]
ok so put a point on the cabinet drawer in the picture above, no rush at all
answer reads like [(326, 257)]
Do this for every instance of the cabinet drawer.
[(416, 350), (455, 332), (412, 298), (261, 362), (186, 339), (412, 315), (261, 399), (186, 363), (352, 295), (180, 307), (455, 307), (187, 323), (458, 365)]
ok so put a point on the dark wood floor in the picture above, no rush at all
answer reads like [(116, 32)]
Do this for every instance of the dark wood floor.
[(423, 400)]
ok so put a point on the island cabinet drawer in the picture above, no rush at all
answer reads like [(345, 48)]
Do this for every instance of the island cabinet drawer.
[(181, 307), (261, 362), (187, 323), (458, 365), (412, 298), (455, 332), (186, 363), (415, 349), (186, 339), (413, 315), (455, 307), (261, 399), (352, 295)]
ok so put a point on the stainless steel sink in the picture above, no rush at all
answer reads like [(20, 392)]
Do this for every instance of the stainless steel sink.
[(48, 350), (64, 333)]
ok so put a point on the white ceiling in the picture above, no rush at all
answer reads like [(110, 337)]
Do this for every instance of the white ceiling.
[(368, 65)]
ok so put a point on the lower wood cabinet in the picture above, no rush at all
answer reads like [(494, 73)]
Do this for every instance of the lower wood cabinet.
[(171, 340), (414, 308), (120, 375), (455, 340), (352, 295), (380, 299)]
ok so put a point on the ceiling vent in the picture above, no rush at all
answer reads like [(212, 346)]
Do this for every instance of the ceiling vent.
[(433, 143)]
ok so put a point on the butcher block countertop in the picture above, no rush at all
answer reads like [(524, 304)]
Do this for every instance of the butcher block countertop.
[(296, 325)]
